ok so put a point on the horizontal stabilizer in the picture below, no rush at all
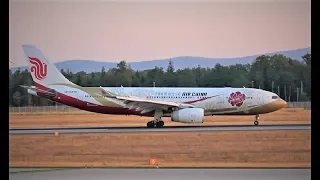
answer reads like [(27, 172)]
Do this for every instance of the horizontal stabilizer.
[(48, 93)]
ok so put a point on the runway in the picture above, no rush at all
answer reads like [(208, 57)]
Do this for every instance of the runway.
[(160, 174), (163, 129)]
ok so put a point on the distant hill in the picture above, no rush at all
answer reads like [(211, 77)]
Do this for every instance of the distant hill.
[(178, 62)]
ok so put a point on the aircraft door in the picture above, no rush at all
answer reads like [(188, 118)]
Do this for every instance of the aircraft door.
[(249, 98), (221, 102), (80, 98), (259, 98), (247, 103)]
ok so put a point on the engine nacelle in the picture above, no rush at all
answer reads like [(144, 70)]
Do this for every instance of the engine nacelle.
[(188, 115)]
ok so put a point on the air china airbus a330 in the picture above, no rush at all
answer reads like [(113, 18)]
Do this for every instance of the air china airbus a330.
[(185, 105)]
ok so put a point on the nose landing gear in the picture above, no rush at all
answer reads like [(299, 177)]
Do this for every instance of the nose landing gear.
[(256, 122)]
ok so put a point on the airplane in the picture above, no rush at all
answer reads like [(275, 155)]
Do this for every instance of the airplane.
[(182, 104)]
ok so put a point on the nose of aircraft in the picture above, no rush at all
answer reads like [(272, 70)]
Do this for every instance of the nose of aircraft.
[(281, 103)]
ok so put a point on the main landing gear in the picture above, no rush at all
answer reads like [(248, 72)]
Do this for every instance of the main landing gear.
[(256, 122), (157, 122)]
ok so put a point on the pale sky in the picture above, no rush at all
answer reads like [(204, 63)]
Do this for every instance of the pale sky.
[(139, 31)]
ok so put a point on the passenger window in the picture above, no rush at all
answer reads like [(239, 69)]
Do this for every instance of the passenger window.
[(274, 97)]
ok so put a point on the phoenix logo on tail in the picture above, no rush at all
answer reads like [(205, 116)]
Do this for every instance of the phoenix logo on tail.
[(38, 68)]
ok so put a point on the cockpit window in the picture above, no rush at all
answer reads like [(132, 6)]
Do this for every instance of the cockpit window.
[(274, 97)]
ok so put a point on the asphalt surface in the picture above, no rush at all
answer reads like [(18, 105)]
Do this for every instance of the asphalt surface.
[(163, 129), (160, 174)]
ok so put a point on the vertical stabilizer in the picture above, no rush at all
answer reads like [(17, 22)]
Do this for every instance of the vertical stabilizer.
[(42, 70)]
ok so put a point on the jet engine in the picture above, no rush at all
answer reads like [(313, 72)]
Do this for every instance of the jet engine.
[(188, 115)]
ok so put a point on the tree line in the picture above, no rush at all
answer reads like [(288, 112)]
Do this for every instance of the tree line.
[(289, 78)]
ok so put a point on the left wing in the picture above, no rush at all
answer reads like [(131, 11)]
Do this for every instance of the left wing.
[(147, 105), (144, 105)]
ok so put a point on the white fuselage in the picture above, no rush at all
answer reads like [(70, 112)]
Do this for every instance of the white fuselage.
[(217, 98)]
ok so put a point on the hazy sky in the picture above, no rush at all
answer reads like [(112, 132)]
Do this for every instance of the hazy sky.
[(138, 31)]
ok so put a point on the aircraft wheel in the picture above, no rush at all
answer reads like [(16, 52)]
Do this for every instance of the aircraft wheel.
[(150, 124), (256, 123), (160, 124)]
